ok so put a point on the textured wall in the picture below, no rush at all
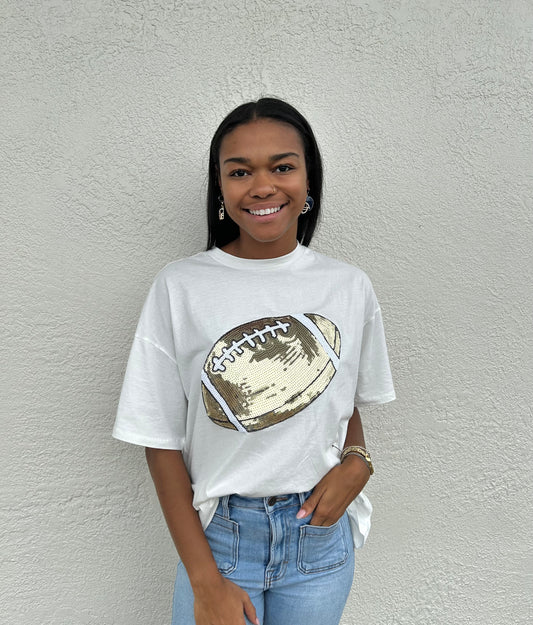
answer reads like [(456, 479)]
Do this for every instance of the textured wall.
[(423, 111)]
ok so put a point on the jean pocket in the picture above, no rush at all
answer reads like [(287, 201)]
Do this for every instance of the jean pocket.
[(223, 537), (322, 548)]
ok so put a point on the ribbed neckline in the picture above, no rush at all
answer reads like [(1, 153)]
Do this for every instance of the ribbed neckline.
[(257, 263)]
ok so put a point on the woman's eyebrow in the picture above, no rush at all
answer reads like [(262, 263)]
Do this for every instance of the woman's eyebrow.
[(273, 158), (237, 159), (279, 157)]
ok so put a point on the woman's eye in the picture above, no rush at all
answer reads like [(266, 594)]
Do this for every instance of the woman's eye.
[(284, 168), (238, 173)]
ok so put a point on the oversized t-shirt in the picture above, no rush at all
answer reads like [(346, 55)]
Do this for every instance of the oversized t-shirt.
[(252, 369)]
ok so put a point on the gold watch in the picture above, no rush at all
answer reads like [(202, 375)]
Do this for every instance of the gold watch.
[(357, 450)]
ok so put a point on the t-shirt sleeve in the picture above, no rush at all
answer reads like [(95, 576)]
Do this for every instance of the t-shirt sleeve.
[(374, 381), (153, 407)]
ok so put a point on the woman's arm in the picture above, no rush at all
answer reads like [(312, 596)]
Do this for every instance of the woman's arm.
[(217, 601), (341, 485)]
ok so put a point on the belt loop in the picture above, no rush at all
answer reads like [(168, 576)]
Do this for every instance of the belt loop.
[(225, 506), (302, 497)]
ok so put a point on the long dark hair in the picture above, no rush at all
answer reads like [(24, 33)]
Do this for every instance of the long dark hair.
[(223, 232)]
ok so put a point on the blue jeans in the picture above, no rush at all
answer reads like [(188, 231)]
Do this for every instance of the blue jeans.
[(292, 571)]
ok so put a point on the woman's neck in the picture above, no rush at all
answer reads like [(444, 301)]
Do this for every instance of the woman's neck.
[(270, 249)]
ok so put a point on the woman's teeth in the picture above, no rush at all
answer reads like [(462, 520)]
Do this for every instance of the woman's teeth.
[(264, 211)]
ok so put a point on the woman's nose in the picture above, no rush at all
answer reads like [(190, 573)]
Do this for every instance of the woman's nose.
[(262, 185)]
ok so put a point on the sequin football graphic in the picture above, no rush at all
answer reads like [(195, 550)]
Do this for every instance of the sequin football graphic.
[(267, 370)]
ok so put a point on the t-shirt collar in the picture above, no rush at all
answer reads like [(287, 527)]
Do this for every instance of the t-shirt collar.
[(257, 263)]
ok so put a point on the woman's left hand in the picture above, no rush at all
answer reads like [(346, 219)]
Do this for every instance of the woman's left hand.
[(335, 491)]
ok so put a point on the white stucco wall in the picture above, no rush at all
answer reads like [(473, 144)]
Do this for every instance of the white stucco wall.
[(423, 110)]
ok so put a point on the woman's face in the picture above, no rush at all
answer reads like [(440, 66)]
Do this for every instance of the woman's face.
[(264, 183)]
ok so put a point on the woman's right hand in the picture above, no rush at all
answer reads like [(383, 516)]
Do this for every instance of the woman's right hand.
[(217, 601), (223, 603)]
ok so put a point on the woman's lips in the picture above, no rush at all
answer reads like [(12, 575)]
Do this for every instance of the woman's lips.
[(262, 211)]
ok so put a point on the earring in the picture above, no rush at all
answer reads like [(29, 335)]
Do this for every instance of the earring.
[(221, 209), (308, 206)]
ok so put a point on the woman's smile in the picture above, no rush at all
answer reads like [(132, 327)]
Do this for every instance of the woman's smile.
[(264, 210)]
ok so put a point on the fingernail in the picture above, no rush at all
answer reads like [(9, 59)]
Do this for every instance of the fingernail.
[(257, 622), (301, 514)]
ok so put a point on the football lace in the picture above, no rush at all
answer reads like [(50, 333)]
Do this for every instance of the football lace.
[(235, 347)]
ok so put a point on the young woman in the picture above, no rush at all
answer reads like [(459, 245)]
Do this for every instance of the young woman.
[(243, 382)]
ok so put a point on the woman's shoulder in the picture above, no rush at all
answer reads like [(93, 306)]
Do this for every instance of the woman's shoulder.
[(339, 267), (186, 268)]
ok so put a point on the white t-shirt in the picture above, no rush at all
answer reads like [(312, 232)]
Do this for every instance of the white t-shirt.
[(252, 369)]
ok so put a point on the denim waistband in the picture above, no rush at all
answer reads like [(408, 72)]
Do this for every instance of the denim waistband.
[(262, 503)]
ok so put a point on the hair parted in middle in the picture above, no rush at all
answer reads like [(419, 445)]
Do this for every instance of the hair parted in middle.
[(221, 233)]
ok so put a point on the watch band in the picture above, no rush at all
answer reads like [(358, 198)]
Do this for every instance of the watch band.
[(358, 451)]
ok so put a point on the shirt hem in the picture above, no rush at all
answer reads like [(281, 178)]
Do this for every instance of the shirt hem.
[(385, 399), (146, 442)]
